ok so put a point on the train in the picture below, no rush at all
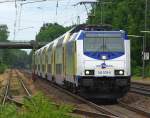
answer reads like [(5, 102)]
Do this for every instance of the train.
[(91, 60)]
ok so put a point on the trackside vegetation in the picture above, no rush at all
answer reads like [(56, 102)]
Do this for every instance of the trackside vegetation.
[(11, 57), (49, 32), (36, 107)]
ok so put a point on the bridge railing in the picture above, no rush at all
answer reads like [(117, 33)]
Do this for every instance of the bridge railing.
[(21, 44)]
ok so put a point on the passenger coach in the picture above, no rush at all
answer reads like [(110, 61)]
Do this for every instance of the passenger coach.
[(91, 60)]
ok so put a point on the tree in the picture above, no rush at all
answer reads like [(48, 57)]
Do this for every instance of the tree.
[(3, 32), (127, 15), (49, 32), (11, 57)]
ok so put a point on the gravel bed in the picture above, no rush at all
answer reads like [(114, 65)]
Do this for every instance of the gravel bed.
[(136, 100)]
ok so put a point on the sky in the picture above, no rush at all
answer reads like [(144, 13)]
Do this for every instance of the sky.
[(30, 17)]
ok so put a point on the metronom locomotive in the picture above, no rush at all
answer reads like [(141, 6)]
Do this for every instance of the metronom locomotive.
[(90, 60)]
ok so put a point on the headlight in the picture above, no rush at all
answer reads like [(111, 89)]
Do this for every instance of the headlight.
[(119, 72), (103, 57), (89, 72)]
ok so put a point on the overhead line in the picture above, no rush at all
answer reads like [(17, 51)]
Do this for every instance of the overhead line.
[(7, 1), (36, 1), (33, 2)]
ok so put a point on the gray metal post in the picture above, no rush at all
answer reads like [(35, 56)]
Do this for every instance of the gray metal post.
[(143, 65), (144, 41)]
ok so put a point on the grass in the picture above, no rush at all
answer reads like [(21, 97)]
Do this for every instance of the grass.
[(3, 67), (36, 107), (140, 78), (136, 78)]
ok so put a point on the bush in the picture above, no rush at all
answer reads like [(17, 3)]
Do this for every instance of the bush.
[(3, 67), (147, 71), (40, 107), (36, 107), (8, 111), (137, 71)]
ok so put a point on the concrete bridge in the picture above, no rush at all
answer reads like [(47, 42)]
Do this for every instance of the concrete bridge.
[(22, 45)]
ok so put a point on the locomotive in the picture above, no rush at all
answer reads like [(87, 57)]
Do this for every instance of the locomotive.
[(88, 59)]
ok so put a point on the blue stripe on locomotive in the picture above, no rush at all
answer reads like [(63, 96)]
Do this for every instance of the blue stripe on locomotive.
[(98, 55)]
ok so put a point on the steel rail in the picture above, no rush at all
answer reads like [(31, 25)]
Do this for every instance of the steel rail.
[(140, 88), (15, 101), (7, 87), (88, 113), (140, 92), (138, 83), (27, 91), (92, 114), (134, 109), (91, 104), (23, 85), (6, 92)]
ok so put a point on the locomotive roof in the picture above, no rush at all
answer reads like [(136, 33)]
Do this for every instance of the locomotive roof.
[(76, 29), (85, 27)]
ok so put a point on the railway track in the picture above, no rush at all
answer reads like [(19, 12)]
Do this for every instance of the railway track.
[(109, 111), (140, 88), (8, 90), (104, 109), (24, 86), (102, 114), (97, 107), (134, 109)]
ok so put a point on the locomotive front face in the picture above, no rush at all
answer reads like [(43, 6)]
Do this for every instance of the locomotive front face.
[(103, 63), (105, 54)]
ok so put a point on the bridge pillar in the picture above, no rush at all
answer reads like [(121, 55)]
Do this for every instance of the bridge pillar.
[(34, 44)]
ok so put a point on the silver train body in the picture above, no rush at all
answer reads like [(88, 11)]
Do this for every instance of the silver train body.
[(89, 61)]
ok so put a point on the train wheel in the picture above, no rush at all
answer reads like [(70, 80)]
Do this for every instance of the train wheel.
[(74, 90)]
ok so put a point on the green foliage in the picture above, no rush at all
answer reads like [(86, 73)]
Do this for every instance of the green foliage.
[(3, 67), (136, 77), (16, 58), (36, 107), (147, 73), (127, 15), (137, 71), (40, 107), (3, 32), (8, 57), (8, 111), (49, 32)]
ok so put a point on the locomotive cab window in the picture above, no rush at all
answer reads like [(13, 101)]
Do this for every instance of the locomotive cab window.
[(103, 44), (113, 44)]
